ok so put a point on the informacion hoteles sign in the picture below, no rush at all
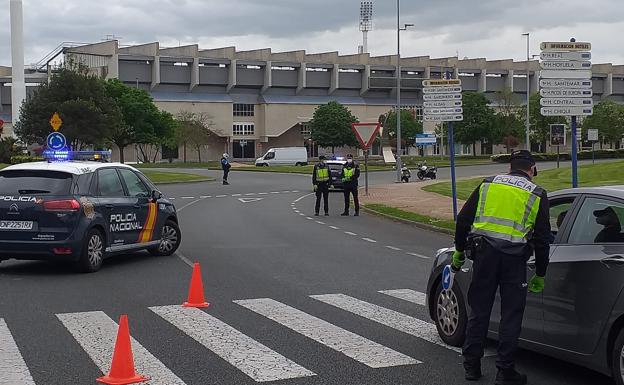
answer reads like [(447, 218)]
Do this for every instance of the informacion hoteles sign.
[(442, 100), (565, 79)]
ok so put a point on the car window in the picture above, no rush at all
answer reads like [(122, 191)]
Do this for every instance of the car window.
[(109, 183), (559, 209), (34, 182), (599, 221), (83, 184), (270, 155), (135, 185)]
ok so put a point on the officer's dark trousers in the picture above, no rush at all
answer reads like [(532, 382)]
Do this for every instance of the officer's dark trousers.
[(225, 174), (351, 190), (493, 270), (322, 190)]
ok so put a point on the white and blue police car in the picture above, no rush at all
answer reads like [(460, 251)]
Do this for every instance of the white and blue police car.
[(82, 211)]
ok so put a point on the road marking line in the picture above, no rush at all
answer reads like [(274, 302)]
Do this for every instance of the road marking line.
[(295, 191), (96, 333), (236, 195), (350, 233), (419, 255), (171, 199), (187, 197), (221, 196), (13, 369), (320, 223), (334, 227), (369, 240), (309, 218), (297, 211), (249, 194), (275, 192), (350, 344), (179, 254), (205, 196), (263, 193), (286, 192), (249, 356), (393, 248), (303, 197), (410, 325), (302, 214), (407, 295)]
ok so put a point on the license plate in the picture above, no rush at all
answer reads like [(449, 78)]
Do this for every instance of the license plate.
[(16, 225)]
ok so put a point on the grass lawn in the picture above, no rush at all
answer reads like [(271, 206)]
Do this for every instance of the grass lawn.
[(160, 177), (410, 216), (3, 165), (207, 165), (603, 174), (442, 161)]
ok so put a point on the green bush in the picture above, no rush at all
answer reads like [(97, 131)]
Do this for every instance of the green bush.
[(25, 159), (8, 149), (598, 154)]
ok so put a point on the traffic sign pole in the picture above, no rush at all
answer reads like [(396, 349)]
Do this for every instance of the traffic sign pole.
[(574, 154), (366, 171), (452, 156)]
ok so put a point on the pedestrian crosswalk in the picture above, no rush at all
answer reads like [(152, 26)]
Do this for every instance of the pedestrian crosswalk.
[(95, 332)]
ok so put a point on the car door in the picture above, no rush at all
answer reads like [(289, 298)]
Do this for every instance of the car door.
[(584, 277), (532, 324), (118, 210), (145, 210)]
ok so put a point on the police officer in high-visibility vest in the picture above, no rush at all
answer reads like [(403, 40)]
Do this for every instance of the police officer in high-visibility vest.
[(505, 221), (350, 174), (321, 179)]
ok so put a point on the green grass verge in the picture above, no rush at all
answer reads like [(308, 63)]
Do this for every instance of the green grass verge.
[(160, 177), (208, 165), (591, 175), (410, 216)]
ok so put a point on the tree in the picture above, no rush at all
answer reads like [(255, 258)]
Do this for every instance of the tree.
[(194, 129), (8, 148), (88, 113), (477, 123), (608, 118), (509, 126), (331, 126), (540, 125), (410, 126), (142, 122)]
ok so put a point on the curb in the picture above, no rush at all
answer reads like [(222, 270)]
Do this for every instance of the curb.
[(423, 226)]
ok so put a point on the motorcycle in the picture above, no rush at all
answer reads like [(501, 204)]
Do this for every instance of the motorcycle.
[(425, 171), (405, 174)]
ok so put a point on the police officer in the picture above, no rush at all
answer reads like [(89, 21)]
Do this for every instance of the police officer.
[(225, 166), (503, 222), (321, 179), (349, 175)]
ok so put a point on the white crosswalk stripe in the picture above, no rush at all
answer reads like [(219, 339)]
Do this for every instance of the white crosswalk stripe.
[(96, 333), (407, 295), (350, 344), (387, 317), (13, 369), (251, 357)]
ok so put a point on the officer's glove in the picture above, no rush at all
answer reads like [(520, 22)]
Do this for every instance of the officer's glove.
[(536, 284), (458, 260), (315, 187)]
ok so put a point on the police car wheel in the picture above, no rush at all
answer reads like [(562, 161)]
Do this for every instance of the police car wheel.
[(617, 359), (450, 315), (92, 252), (169, 240)]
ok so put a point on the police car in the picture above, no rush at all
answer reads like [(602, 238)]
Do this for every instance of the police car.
[(82, 211)]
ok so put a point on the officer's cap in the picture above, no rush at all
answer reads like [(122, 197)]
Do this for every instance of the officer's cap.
[(522, 155)]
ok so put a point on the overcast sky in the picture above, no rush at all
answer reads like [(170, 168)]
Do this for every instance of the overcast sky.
[(470, 28)]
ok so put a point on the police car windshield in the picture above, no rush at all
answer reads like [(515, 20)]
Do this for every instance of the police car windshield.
[(26, 182)]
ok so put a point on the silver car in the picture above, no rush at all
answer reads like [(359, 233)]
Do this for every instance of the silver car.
[(580, 315)]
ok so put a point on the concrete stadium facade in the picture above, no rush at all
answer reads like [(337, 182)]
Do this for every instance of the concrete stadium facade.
[(265, 98)]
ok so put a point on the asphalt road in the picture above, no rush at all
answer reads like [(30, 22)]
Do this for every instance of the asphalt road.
[(263, 259)]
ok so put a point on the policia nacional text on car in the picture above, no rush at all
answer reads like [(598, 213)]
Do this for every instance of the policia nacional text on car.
[(503, 222)]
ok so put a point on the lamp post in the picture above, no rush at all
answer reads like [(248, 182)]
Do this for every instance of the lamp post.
[(528, 92), (398, 92)]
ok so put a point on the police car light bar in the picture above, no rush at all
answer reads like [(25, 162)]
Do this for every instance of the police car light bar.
[(65, 155)]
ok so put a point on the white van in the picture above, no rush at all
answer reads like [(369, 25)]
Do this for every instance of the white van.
[(288, 156)]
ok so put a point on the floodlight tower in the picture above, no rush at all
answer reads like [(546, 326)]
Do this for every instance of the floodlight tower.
[(366, 23)]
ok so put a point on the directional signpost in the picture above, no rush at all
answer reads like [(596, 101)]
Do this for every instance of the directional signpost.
[(443, 103), (592, 136), (566, 86), (365, 134)]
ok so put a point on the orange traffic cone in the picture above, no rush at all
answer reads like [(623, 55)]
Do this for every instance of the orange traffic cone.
[(122, 369), (196, 290)]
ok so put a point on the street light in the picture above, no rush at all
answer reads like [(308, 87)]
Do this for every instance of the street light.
[(398, 72), (528, 92)]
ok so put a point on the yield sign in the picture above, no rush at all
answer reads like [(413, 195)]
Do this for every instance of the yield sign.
[(247, 200), (365, 133)]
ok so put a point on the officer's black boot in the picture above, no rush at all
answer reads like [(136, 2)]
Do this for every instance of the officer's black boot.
[(345, 214), (473, 370), (510, 377)]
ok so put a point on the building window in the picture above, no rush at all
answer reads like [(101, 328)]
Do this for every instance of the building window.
[(305, 129), (243, 129), (243, 109)]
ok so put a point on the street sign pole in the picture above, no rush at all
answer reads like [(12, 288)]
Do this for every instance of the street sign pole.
[(593, 157), (366, 171), (574, 154), (452, 156)]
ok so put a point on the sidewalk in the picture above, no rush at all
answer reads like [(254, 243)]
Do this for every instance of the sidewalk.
[(411, 197)]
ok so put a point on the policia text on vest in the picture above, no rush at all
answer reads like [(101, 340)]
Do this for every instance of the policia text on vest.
[(321, 179), (505, 221)]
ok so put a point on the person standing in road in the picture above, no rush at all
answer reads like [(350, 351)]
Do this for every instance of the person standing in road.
[(350, 174), (503, 222), (225, 165), (321, 179)]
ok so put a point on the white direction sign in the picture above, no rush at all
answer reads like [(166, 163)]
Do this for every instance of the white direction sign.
[(566, 83), (566, 65), (443, 118), (434, 97), (442, 90), (566, 102), (592, 135), (443, 104), (441, 82), (566, 111), (565, 93), (566, 74), (583, 56), (443, 111), (565, 46)]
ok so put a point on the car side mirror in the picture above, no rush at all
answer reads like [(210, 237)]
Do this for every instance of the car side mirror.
[(156, 195)]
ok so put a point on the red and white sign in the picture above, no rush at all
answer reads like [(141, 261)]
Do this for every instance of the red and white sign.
[(365, 133)]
